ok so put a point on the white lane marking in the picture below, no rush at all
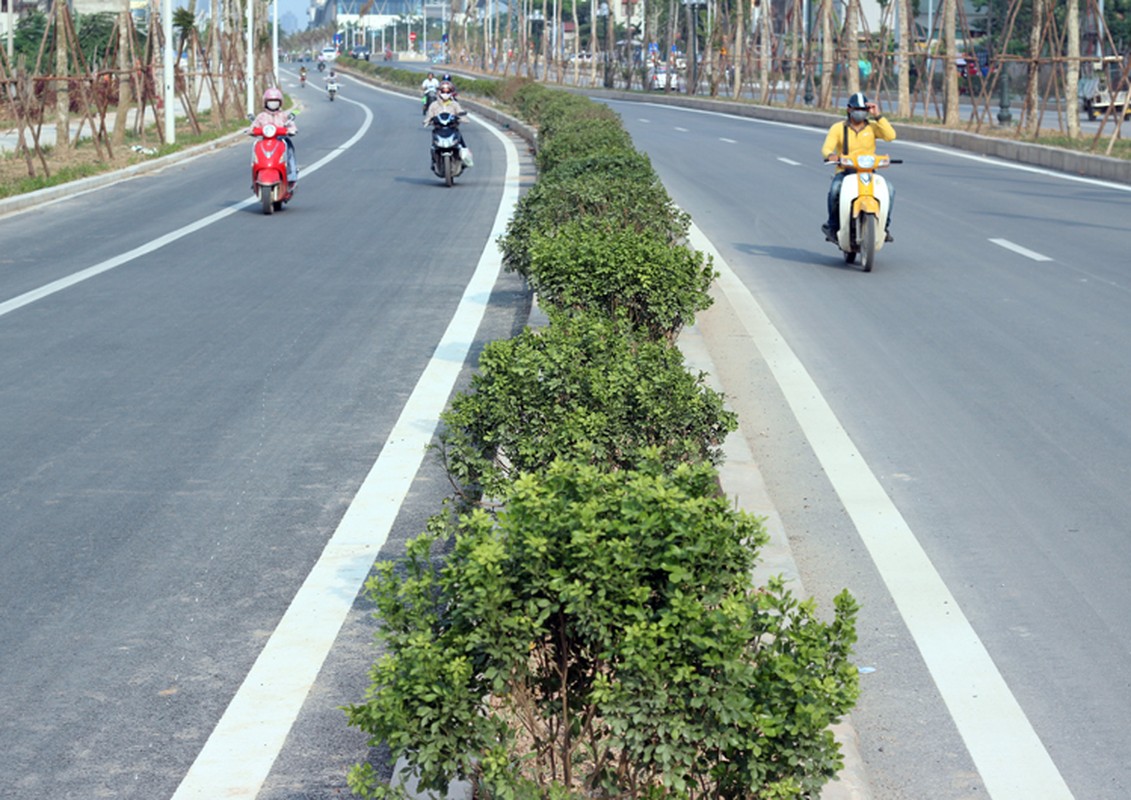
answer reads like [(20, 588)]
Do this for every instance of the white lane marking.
[(728, 141), (681, 130), (789, 161), (1016, 248), (238, 756), (645, 121), (1010, 757), (67, 282)]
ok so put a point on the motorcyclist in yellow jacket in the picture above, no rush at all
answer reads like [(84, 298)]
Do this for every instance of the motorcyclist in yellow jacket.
[(856, 135)]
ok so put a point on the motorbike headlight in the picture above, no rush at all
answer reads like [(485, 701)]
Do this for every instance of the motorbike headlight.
[(269, 131), (866, 162)]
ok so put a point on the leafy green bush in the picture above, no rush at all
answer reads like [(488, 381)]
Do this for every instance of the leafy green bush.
[(657, 285), (581, 138), (601, 637), (586, 387), (597, 200)]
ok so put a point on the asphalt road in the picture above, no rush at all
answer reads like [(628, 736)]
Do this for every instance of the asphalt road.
[(182, 432), (984, 384)]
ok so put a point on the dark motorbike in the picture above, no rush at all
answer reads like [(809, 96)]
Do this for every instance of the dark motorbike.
[(447, 161), (428, 99)]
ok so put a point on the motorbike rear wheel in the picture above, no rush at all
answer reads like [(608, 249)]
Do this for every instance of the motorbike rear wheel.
[(265, 199), (868, 241)]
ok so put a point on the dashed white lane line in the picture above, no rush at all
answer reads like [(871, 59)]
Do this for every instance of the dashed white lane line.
[(1016, 248), (789, 161), (1010, 757), (681, 130), (238, 755), (728, 141)]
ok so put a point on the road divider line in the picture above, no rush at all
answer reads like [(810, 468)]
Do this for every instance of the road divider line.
[(27, 298), (1016, 248), (239, 754), (1010, 757)]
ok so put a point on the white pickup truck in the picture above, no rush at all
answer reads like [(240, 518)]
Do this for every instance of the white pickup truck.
[(1096, 91)]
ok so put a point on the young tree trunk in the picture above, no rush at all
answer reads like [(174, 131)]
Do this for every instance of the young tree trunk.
[(62, 95), (1072, 78), (125, 85), (766, 53), (826, 25), (1033, 92), (906, 37), (738, 49), (852, 65), (951, 116)]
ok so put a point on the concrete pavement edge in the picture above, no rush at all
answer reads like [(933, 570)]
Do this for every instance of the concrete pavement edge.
[(50, 194)]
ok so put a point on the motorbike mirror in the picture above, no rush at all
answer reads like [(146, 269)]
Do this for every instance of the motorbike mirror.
[(251, 118)]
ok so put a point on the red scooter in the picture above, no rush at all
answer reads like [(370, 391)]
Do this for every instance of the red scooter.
[(269, 168)]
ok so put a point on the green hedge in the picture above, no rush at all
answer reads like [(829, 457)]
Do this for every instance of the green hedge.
[(594, 632), (586, 387)]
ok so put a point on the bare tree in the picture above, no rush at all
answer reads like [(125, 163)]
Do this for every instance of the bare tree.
[(1072, 79)]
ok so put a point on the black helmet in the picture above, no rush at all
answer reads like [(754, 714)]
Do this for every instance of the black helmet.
[(857, 100)]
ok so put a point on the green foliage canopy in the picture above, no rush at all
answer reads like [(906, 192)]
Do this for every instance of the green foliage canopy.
[(601, 637)]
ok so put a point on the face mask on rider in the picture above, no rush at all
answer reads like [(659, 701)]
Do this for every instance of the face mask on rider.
[(274, 105), (858, 114)]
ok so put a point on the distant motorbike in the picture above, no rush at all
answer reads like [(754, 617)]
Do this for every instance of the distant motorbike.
[(864, 206), (302, 80), (447, 161), (428, 99), (332, 89), (269, 168)]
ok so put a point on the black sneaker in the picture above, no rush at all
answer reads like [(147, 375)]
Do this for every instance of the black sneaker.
[(888, 237), (830, 235)]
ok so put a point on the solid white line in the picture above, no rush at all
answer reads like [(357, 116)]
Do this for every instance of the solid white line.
[(1009, 755), (67, 282), (789, 161), (1016, 248), (238, 756)]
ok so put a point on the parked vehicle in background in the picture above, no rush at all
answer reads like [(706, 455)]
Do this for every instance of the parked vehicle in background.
[(662, 78), (1105, 89)]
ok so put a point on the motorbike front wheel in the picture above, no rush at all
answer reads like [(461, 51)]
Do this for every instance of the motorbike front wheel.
[(868, 241), (449, 170), (265, 200)]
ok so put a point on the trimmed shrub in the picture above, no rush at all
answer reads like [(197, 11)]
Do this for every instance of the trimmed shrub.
[(658, 286), (597, 201), (601, 637), (586, 387)]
